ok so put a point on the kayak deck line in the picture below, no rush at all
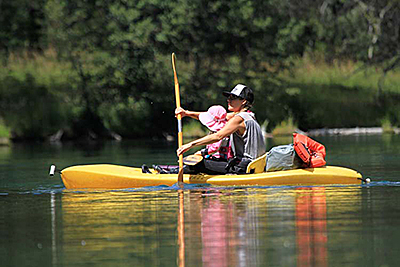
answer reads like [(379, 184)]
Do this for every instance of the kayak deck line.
[(108, 176)]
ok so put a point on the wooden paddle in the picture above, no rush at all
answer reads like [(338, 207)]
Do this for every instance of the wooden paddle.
[(178, 105), (192, 159)]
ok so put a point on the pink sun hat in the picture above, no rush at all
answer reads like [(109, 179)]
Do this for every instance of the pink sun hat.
[(214, 118)]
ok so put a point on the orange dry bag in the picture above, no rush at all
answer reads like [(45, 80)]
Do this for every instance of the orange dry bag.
[(311, 152)]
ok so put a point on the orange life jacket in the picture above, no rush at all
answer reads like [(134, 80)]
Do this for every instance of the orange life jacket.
[(311, 152)]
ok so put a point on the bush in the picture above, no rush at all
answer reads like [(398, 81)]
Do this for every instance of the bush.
[(130, 118), (194, 128), (29, 109), (286, 127), (4, 130), (337, 95)]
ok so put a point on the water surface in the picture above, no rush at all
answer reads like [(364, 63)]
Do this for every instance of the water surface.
[(44, 224)]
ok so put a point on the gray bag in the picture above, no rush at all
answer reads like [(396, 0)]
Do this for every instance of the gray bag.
[(281, 158)]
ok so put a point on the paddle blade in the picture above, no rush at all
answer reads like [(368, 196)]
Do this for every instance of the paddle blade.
[(180, 177), (192, 159)]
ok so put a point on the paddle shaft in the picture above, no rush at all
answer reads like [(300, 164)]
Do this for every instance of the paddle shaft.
[(179, 117)]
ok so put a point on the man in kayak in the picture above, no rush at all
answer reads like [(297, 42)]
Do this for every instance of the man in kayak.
[(245, 134)]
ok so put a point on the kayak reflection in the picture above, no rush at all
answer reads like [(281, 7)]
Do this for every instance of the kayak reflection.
[(120, 227), (278, 226), (311, 231), (215, 226)]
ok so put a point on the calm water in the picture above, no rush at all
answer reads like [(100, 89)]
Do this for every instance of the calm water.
[(43, 224)]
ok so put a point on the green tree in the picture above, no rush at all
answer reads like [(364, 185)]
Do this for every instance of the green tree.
[(120, 51), (30, 109), (109, 44), (21, 26), (361, 30)]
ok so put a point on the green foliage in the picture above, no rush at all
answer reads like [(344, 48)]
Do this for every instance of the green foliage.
[(129, 118), (328, 95), (21, 25), (313, 69), (4, 130), (35, 99), (194, 128), (109, 67), (387, 125), (31, 110), (286, 127)]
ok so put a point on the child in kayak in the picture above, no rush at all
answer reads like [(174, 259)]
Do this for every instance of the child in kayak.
[(215, 119)]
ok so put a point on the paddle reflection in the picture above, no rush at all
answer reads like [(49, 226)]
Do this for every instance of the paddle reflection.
[(181, 229)]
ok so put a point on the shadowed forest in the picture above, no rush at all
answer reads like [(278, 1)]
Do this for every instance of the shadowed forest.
[(102, 69)]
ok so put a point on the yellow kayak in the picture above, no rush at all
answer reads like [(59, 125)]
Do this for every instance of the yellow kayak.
[(107, 176)]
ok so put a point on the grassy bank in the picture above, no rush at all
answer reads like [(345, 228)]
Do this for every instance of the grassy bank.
[(38, 95), (4, 131), (4, 134), (313, 70), (35, 95), (341, 94)]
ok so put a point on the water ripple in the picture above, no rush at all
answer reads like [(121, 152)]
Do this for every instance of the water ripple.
[(59, 189)]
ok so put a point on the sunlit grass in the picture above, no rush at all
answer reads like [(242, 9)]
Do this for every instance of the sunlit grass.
[(286, 127), (340, 94), (347, 73), (45, 67), (387, 126), (4, 131)]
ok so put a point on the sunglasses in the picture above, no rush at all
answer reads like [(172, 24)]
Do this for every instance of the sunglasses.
[(233, 97)]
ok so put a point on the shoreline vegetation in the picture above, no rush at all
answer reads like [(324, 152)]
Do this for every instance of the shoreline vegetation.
[(311, 83), (285, 130), (6, 141), (97, 70), (4, 134)]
